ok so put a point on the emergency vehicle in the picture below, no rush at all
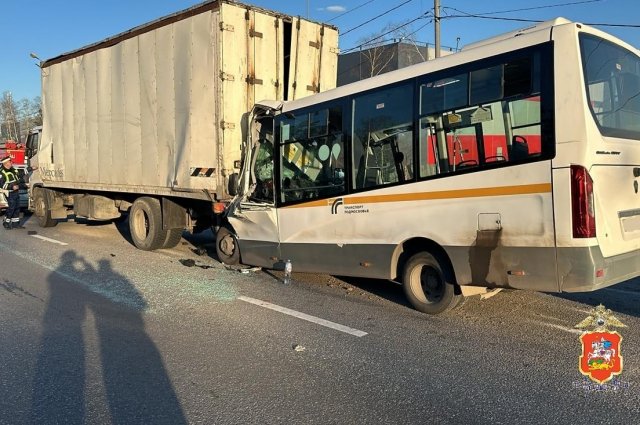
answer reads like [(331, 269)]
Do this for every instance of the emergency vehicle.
[(16, 151)]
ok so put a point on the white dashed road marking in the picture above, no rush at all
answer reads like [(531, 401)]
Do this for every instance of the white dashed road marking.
[(562, 328), (304, 316), (49, 240)]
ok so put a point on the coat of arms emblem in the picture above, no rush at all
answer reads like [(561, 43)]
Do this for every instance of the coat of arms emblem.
[(600, 359)]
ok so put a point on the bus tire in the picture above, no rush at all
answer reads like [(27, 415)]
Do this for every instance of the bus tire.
[(428, 285), (41, 208), (227, 247), (145, 224)]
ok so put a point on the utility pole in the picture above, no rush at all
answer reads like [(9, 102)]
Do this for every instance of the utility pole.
[(436, 14)]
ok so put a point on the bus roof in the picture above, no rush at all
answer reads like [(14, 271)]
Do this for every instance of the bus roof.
[(528, 36), (517, 33)]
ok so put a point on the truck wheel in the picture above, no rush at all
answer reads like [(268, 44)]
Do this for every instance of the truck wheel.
[(173, 237), (41, 208), (429, 285), (145, 224), (227, 247)]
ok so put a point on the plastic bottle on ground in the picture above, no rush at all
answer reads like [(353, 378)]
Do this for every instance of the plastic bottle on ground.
[(287, 272)]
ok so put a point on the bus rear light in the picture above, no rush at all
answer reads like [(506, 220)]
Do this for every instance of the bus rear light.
[(583, 213), (600, 273)]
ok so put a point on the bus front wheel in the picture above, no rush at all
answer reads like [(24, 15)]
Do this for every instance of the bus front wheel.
[(227, 247), (429, 285)]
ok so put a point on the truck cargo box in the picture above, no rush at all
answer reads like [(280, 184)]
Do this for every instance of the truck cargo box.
[(161, 109)]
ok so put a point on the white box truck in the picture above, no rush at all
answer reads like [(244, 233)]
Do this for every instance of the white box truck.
[(152, 121)]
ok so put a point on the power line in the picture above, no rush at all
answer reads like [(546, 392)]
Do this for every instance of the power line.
[(527, 8), (349, 11), (595, 24), (484, 15), (497, 18), (376, 17), (423, 16)]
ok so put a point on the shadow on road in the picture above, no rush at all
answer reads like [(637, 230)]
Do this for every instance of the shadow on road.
[(136, 387), (621, 298)]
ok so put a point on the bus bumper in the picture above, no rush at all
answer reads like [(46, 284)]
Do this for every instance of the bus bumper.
[(585, 269)]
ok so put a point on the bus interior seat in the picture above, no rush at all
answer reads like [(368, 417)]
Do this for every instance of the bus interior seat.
[(519, 148)]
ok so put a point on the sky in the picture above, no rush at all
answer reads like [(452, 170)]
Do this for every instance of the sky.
[(51, 27)]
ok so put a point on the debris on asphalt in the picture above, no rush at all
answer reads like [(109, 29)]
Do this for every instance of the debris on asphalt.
[(32, 232), (299, 348), (113, 255), (199, 251), (187, 262), (249, 270)]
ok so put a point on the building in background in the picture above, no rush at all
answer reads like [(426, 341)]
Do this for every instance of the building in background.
[(381, 58)]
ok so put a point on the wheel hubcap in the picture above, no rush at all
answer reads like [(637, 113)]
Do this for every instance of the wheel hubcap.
[(141, 224), (432, 283), (40, 208), (227, 245)]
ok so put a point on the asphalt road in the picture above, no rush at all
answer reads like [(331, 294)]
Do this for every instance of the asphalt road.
[(95, 331)]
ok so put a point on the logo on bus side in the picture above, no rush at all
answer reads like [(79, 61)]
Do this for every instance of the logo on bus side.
[(336, 204), (600, 359), (347, 209)]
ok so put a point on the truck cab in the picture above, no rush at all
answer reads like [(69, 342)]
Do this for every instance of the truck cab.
[(31, 162)]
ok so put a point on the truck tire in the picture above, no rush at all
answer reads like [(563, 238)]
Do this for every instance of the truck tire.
[(145, 224), (173, 238), (227, 247), (41, 208), (428, 284)]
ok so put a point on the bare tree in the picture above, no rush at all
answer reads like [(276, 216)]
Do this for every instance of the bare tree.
[(30, 113), (9, 125), (18, 117), (379, 50), (376, 53)]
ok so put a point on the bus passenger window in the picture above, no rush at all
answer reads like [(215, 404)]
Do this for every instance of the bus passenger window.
[(429, 157), (486, 85), (383, 138), (525, 125), (312, 162), (444, 94)]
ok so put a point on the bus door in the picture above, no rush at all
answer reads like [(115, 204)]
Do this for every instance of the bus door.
[(254, 217)]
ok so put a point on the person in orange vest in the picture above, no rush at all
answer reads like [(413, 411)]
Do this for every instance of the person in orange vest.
[(10, 183)]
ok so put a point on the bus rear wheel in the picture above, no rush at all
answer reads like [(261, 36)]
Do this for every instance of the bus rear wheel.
[(428, 285), (227, 246)]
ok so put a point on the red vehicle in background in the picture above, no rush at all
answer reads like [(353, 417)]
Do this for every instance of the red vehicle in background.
[(16, 151)]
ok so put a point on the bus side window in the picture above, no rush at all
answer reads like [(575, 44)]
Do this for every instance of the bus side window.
[(312, 162), (382, 142)]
